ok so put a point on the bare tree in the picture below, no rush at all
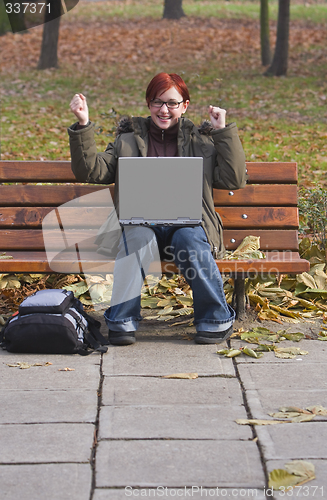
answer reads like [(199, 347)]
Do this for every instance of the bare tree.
[(49, 47), (173, 9), (11, 17), (278, 66), (264, 33)]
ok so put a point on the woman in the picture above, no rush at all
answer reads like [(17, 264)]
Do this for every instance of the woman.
[(166, 133)]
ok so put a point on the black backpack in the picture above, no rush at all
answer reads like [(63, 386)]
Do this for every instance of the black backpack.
[(52, 322)]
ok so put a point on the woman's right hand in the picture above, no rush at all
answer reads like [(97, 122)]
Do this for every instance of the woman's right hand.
[(78, 105)]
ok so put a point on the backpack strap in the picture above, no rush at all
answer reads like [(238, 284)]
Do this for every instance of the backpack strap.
[(94, 327), (95, 339), (3, 329)]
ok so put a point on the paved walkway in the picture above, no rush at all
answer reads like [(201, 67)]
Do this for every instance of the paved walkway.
[(111, 427)]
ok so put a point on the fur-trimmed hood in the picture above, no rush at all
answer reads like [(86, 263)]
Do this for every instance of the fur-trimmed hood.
[(125, 125)]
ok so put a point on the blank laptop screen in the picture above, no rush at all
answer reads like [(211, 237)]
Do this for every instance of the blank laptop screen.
[(160, 190)]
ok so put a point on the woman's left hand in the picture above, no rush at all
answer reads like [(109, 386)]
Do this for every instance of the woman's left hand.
[(217, 117)]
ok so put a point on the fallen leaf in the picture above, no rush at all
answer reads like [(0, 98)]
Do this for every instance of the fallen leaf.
[(164, 317), (24, 365), (294, 409), (280, 479), (229, 353), (301, 468), (251, 353), (289, 352), (182, 375), (66, 369), (318, 410), (255, 421), (302, 418)]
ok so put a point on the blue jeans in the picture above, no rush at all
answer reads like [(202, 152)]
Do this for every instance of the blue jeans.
[(189, 249)]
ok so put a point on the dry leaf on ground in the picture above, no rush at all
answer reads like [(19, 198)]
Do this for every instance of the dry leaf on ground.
[(297, 472), (259, 421), (182, 375), (289, 352), (23, 365)]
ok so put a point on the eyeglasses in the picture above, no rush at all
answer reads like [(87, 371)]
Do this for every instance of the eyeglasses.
[(157, 103)]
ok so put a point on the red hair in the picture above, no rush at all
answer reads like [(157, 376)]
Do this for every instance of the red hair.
[(164, 81)]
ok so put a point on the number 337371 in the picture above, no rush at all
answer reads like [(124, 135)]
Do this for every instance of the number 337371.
[(24, 7)]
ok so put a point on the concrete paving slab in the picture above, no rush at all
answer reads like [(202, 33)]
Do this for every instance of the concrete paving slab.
[(177, 463), (288, 376), (173, 422), (162, 357), (306, 440), (154, 390), (85, 373), (313, 490), (317, 352), (41, 443), (31, 407), (52, 481), (262, 402), (195, 492)]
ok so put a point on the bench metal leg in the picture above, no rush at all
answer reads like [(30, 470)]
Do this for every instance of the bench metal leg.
[(239, 299)]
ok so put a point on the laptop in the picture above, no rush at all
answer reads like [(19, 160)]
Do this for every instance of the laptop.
[(163, 191)]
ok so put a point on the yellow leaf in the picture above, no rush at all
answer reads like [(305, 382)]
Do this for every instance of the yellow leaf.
[(303, 418), (280, 478), (307, 280), (255, 421), (166, 310), (182, 375), (165, 317), (289, 352), (318, 410), (301, 468), (233, 353)]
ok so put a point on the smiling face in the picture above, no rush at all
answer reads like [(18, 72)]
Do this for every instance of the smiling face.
[(164, 117)]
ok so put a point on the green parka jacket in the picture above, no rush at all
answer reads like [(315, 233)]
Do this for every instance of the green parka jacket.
[(223, 168)]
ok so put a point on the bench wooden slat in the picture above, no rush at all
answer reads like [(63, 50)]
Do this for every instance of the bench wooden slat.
[(36, 171), (272, 173), (84, 217), (269, 239), (259, 217), (36, 262), (32, 217), (32, 239), (258, 195), (60, 171), (45, 195)]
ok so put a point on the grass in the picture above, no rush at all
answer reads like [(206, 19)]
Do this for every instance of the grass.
[(135, 9), (279, 119)]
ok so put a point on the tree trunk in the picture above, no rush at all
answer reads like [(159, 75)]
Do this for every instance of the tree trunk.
[(49, 48), (173, 9), (264, 33), (11, 22), (279, 64), (4, 21)]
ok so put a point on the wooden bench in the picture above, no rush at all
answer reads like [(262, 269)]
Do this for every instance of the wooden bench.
[(266, 207)]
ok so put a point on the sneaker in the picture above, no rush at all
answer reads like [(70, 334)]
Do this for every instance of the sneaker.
[(121, 338), (213, 337)]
